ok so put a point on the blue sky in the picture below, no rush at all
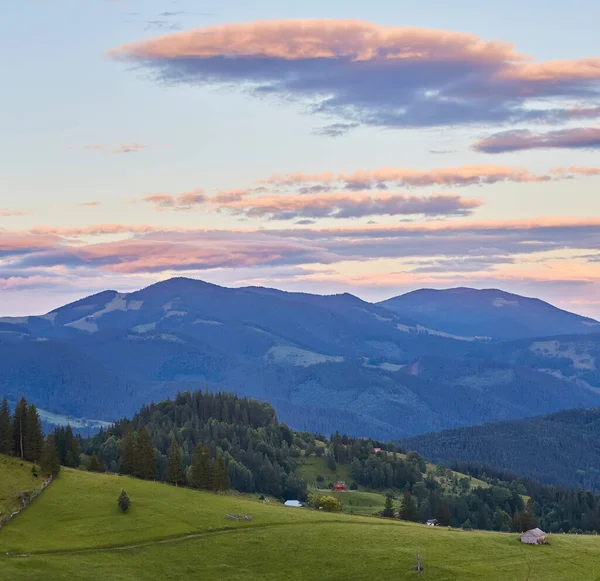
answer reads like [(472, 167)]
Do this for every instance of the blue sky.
[(114, 163)]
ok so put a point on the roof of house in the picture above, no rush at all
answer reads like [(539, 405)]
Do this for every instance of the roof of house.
[(535, 533), (293, 503)]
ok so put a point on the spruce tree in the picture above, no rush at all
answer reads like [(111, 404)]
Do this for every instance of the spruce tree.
[(144, 465), (388, 509), (127, 452), (175, 473), (49, 463), (6, 437), (201, 473), (408, 509), (19, 425), (34, 436), (220, 476), (71, 448)]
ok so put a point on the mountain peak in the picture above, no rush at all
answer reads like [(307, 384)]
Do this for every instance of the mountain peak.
[(488, 312)]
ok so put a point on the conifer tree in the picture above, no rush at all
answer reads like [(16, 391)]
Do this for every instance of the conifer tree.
[(73, 451), (34, 436), (6, 437), (123, 501), (127, 452), (49, 463), (201, 473), (19, 425), (144, 465), (220, 477), (408, 509), (175, 473), (388, 509)]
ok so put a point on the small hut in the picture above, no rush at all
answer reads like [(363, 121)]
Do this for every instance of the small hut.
[(340, 486), (534, 537), (293, 503)]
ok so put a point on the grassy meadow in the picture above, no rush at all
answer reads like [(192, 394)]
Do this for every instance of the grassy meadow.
[(15, 476), (314, 466), (74, 531)]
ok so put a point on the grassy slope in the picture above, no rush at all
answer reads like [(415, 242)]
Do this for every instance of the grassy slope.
[(64, 529), (363, 502), (360, 502), (312, 466), (309, 468), (15, 476)]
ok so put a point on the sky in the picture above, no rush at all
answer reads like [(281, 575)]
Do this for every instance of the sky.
[(364, 147)]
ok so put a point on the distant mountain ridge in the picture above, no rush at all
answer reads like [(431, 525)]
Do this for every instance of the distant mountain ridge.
[(324, 362), (488, 313)]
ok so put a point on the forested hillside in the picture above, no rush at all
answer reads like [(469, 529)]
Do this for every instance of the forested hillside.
[(562, 448)]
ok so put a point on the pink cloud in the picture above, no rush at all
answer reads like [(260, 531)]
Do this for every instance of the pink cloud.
[(230, 196), (575, 169), (18, 242), (5, 213), (404, 177), (376, 230), (185, 201), (355, 40), (556, 71), (579, 138), (175, 252), (286, 207), (362, 73)]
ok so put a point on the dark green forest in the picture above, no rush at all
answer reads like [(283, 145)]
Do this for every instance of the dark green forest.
[(561, 448)]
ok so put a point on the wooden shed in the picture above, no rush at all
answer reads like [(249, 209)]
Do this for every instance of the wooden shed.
[(534, 537)]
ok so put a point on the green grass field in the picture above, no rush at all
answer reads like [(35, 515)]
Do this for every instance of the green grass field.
[(74, 531), (15, 476), (360, 502), (312, 466)]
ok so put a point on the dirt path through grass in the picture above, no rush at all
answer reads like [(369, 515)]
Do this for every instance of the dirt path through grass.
[(181, 538)]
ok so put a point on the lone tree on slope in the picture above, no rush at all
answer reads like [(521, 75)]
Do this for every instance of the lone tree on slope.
[(123, 501)]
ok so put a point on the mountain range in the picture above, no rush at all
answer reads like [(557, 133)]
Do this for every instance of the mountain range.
[(384, 370)]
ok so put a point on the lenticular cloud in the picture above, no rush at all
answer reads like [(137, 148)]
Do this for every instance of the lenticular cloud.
[(364, 73)]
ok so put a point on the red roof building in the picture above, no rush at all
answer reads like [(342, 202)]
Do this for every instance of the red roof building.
[(340, 486)]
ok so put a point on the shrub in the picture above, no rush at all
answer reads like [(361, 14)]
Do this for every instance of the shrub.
[(331, 504)]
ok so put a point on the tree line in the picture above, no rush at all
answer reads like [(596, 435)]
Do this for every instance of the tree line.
[(21, 435)]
